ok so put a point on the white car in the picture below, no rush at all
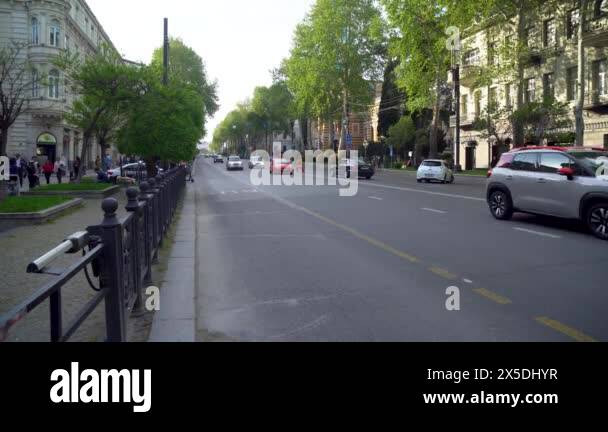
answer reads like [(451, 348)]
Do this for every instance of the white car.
[(257, 162), (234, 163), (435, 170)]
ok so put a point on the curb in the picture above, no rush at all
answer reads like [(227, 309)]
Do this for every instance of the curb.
[(104, 193)]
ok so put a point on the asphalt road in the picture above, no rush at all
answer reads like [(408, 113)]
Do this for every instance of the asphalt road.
[(300, 263)]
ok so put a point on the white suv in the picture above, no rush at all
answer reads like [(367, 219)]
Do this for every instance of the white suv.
[(563, 182)]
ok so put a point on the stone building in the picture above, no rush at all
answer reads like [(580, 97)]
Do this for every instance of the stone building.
[(551, 71), (47, 27)]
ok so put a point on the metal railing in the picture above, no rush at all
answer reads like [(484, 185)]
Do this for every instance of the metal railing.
[(120, 252)]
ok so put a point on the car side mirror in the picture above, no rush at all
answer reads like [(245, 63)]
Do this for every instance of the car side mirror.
[(568, 172)]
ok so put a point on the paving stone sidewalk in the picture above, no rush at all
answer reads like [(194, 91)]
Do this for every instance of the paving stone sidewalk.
[(19, 246)]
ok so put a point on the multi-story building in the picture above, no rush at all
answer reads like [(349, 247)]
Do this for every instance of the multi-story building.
[(551, 72), (46, 27)]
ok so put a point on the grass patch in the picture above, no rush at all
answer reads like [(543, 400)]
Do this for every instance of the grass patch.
[(481, 172), (30, 204), (71, 187)]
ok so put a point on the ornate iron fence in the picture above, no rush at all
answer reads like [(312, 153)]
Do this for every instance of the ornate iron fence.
[(120, 252)]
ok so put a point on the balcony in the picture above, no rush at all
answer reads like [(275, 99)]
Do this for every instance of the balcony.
[(596, 103), (45, 108), (42, 53), (596, 32), (467, 121), (470, 75)]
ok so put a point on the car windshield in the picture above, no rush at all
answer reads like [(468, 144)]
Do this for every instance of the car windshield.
[(235, 159), (431, 163), (362, 161), (592, 160)]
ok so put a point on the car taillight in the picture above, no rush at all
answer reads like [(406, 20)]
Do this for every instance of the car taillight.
[(489, 173)]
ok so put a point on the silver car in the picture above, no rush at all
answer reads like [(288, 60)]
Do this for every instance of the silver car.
[(568, 183), (234, 163)]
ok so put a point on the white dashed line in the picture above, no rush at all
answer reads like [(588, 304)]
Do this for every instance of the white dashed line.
[(404, 189), (538, 233), (434, 211), (376, 198), (468, 281)]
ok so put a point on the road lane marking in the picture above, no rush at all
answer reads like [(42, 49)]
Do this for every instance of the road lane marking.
[(376, 198), (404, 189), (493, 296), (467, 281), (434, 211), (538, 233), (443, 273), (564, 329)]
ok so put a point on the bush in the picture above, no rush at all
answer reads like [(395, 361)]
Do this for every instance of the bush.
[(398, 165)]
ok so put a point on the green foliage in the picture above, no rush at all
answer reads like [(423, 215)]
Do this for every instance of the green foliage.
[(539, 118), (402, 135), (165, 123)]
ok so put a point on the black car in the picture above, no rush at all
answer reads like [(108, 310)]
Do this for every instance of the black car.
[(365, 169), (218, 159)]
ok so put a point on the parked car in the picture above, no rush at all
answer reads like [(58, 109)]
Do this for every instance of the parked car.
[(256, 162), (133, 170), (364, 169), (435, 170), (218, 159), (568, 183), (234, 163)]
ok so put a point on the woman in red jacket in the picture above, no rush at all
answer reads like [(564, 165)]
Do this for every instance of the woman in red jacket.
[(48, 169)]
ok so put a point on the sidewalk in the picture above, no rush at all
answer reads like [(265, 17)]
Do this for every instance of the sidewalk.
[(175, 321)]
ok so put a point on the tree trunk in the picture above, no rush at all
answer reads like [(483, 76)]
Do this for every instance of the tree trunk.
[(345, 120), (433, 153), (518, 129), (580, 97), (4, 141)]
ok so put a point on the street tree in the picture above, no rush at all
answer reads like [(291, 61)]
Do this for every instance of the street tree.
[(402, 135), (339, 52), (16, 83)]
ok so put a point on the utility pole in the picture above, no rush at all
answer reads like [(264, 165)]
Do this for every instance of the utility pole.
[(166, 54), (456, 78)]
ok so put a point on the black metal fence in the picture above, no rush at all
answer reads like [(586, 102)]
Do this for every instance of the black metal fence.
[(120, 252)]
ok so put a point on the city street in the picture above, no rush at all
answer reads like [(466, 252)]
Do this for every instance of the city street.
[(277, 263)]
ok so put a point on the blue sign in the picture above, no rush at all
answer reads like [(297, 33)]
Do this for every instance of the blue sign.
[(349, 141)]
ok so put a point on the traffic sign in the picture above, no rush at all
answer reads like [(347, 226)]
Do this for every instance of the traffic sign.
[(349, 141)]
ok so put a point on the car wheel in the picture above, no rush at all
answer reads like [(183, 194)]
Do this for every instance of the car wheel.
[(452, 180), (369, 177), (419, 181), (597, 220), (500, 205)]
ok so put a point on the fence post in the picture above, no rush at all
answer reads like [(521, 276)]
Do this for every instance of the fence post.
[(133, 206), (155, 201), (111, 271), (146, 198)]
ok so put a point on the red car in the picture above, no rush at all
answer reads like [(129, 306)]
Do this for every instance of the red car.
[(281, 165)]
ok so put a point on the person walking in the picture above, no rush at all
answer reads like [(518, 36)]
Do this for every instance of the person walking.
[(47, 170), (76, 167), (31, 174), (60, 170), (20, 165)]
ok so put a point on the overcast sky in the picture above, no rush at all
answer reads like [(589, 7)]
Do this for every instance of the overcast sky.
[(239, 40)]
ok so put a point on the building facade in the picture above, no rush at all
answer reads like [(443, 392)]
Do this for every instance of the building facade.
[(46, 27), (551, 72)]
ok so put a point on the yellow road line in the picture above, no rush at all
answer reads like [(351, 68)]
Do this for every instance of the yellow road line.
[(493, 296), (564, 329), (443, 273), (370, 240)]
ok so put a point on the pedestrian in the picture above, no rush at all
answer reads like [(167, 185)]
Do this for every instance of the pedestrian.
[(60, 170), (20, 169), (48, 169), (76, 167), (32, 176)]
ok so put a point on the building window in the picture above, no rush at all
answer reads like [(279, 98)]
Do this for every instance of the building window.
[(606, 142), (549, 34), (471, 58), (492, 54), (464, 106), (54, 35), (548, 87), (492, 100), (530, 36), (508, 100), (601, 8), (572, 23), (35, 84), (54, 84), (530, 90), (571, 83), (600, 76), (35, 31)]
